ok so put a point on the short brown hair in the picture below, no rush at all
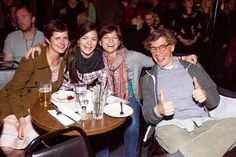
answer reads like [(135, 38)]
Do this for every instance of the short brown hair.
[(54, 26), (157, 34), (26, 7)]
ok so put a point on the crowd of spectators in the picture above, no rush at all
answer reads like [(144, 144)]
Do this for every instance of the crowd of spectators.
[(199, 30)]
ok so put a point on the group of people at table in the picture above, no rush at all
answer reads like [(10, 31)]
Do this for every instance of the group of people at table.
[(175, 92)]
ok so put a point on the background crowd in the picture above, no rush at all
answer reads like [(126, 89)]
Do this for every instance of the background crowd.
[(202, 27)]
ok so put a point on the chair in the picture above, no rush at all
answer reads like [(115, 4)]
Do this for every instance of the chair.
[(153, 148), (76, 147)]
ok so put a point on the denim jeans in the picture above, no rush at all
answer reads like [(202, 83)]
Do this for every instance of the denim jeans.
[(131, 132)]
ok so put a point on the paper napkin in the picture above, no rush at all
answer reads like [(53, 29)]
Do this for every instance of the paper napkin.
[(62, 118)]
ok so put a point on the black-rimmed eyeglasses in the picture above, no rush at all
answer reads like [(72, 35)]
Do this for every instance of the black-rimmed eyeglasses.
[(160, 48)]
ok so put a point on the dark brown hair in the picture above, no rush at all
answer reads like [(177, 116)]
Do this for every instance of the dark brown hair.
[(54, 26), (72, 52), (109, 29), (28, 8)]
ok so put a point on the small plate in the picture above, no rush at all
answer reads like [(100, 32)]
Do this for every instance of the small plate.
[(55, 96), (113, 110)]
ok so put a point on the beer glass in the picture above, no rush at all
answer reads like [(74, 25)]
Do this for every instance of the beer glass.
[(45, 91)]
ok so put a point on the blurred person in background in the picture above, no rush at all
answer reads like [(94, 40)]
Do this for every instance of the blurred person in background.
[(69, 14), (187, 28), (223, 32), (18, 42), (109, 12), (90, 10), (206, 20)]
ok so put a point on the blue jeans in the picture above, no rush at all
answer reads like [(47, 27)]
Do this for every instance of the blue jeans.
[(131, 132)]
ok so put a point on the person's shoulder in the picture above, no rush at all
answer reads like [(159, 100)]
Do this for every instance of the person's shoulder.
[(40, 33), (134, 53), (38, 57), (138, 56), (14, 34)]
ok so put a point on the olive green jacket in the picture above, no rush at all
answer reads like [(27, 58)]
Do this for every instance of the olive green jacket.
[(22, 91)]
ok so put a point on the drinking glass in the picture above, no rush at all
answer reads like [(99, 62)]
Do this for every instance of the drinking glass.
[(99, 100), (80, 93), (45, 91)]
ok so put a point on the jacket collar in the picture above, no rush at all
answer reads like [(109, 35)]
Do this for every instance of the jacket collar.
[(43, 59)]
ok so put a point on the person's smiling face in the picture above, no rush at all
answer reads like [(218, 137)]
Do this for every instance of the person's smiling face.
[(58, 42), (110, 42), (162, 52), (87, 43)]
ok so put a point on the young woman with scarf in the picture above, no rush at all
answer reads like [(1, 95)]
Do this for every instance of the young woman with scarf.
[(123, 68), (84, 61)]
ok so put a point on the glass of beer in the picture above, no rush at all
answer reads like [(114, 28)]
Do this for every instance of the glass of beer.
[(45, 91)]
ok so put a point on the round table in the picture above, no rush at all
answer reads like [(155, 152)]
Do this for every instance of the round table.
[(43, 119)]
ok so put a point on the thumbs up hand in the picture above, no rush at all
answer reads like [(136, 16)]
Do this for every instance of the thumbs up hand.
[(199, 94), (165, 108)]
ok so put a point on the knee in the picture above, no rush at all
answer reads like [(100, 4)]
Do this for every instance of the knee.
[(8, 151)]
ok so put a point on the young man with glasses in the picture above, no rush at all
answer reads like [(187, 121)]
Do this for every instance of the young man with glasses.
[(176, 95)]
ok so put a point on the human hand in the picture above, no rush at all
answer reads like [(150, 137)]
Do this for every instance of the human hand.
[(199, 94), (190, 58), (20, 128), (32, 50), (165, 108)]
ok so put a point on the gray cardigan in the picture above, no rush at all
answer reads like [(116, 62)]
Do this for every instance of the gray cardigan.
[(150, 97), (135, 61)]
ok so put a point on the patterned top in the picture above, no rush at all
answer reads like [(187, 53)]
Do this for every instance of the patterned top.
[(55, 72), (87, 78)]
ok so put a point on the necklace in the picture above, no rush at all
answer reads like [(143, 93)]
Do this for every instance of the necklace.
[(26, 42)]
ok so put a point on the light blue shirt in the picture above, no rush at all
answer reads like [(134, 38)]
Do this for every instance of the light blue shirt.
[(17, 46)]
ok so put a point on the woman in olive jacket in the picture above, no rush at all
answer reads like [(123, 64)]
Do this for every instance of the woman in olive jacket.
[(21, 92)]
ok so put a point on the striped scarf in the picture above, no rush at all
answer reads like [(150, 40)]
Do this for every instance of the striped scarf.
[(116, 71)]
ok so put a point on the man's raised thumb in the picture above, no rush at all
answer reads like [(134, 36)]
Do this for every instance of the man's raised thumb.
[(162, 98), (195, 83)]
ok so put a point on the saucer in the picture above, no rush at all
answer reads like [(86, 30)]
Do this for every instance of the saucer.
[(113, 110), (69, 96)]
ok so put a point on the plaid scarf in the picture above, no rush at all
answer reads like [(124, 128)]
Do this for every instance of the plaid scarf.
[(117, 78)]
